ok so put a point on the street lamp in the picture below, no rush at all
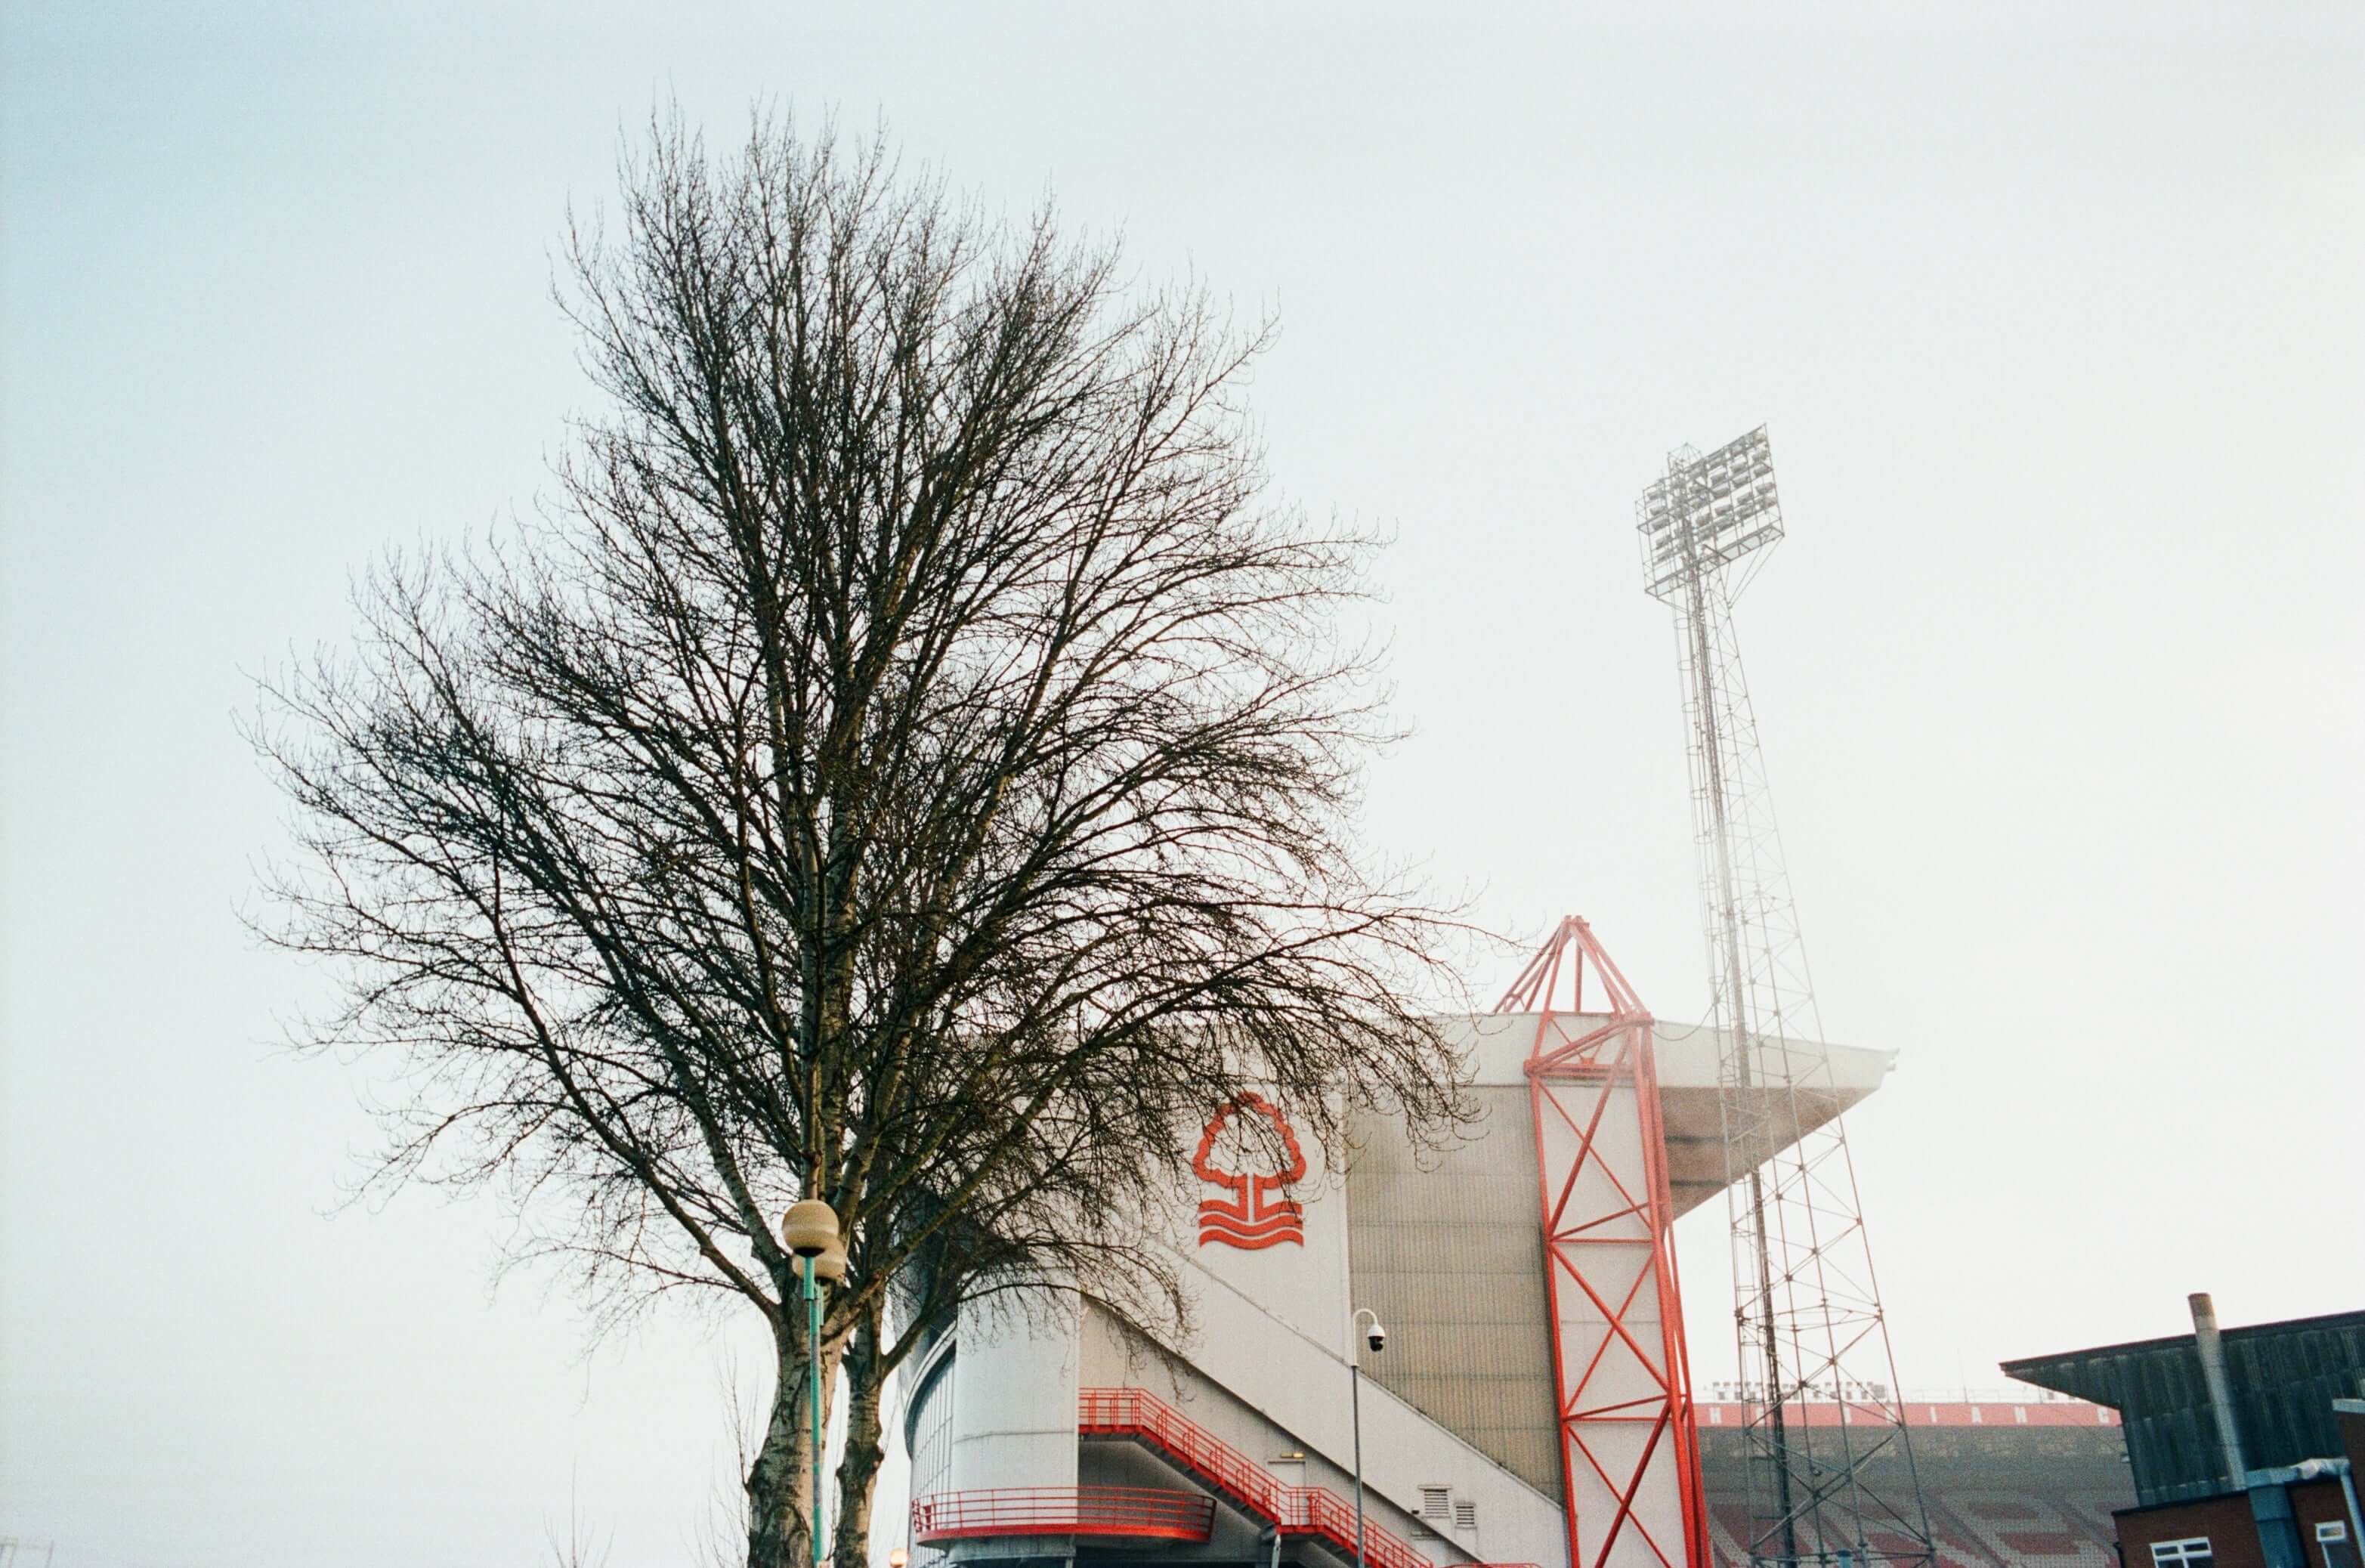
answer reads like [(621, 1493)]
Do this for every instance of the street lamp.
[(810, 1230), (1377, 1337)]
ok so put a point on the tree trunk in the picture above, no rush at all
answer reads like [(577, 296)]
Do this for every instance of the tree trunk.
[(866, 1447), (780, 1483)]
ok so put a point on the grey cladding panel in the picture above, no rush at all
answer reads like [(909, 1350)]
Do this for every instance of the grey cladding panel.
[(1452, 1259)]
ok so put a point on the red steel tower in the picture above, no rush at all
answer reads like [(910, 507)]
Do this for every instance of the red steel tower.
[(1628, 1448)]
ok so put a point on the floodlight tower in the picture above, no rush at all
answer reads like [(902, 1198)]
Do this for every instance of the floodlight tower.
[(1831, 1477)]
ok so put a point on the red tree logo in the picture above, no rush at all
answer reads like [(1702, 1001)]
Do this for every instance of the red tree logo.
[(1254, 1217)]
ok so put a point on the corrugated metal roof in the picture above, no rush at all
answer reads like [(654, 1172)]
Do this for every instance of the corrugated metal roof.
[(2284, 1376)]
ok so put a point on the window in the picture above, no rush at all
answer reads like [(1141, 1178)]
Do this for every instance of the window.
[(931, 1437), (2191, 1554)]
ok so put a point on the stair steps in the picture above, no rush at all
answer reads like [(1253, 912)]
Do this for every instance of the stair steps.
[(1317, 1511)]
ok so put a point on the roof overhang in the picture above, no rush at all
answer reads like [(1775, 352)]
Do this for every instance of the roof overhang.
[(1831, 1079)]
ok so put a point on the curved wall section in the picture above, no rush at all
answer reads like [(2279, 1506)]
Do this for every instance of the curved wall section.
[(1015, 1421)]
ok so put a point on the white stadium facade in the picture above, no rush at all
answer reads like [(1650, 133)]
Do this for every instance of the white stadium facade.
[(1530, 1405)]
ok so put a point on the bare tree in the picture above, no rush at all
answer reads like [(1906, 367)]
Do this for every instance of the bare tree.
[(908, 765)]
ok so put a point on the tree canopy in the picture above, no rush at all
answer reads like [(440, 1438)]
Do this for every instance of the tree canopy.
[(908, 761)]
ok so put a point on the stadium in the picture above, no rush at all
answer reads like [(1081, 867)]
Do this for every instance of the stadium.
[(1477, 1355), (1528, 1401)]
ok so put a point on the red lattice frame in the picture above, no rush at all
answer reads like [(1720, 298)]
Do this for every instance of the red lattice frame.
[(1599, 1235)]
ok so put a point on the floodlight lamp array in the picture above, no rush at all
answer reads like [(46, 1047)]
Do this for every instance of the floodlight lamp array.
[(1707, 512)]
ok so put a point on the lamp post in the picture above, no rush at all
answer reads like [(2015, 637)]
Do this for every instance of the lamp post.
[(1377, 1337), (810, 1230)]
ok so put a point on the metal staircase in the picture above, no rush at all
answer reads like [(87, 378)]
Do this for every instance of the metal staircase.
[(1315, 1511)]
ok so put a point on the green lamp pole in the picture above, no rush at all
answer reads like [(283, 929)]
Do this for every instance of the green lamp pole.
[(811, 1232), (1377, 1337)]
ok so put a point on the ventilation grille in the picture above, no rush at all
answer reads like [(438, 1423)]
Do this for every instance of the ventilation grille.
[(1466, 1514)]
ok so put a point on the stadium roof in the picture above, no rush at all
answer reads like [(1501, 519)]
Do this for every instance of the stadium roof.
[(2284, 1376)]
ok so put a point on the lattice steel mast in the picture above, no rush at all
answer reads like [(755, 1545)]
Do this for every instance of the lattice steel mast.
[(1831, 1478)]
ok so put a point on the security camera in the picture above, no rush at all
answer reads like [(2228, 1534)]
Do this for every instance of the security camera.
[(1376, 1338)]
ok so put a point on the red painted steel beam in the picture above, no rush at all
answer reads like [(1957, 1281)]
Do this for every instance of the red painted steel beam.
[(1609, 1248)]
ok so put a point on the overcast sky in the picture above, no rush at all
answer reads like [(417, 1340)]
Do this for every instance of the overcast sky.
[(2059, 331)]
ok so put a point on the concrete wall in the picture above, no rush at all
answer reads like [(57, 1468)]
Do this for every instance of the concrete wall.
[(1302, 1285), (1017, 1388)]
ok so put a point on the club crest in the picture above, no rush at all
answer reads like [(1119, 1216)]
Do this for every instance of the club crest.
[(1256, 1214)]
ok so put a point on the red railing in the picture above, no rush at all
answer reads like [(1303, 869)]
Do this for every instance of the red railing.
[(1293, 1510), (1137, 1413), (1063, 1510)]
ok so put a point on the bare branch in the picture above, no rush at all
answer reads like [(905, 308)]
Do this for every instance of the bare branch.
[(908, 763)]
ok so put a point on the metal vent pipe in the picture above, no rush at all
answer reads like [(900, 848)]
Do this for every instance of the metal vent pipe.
[(2221, 1393)]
